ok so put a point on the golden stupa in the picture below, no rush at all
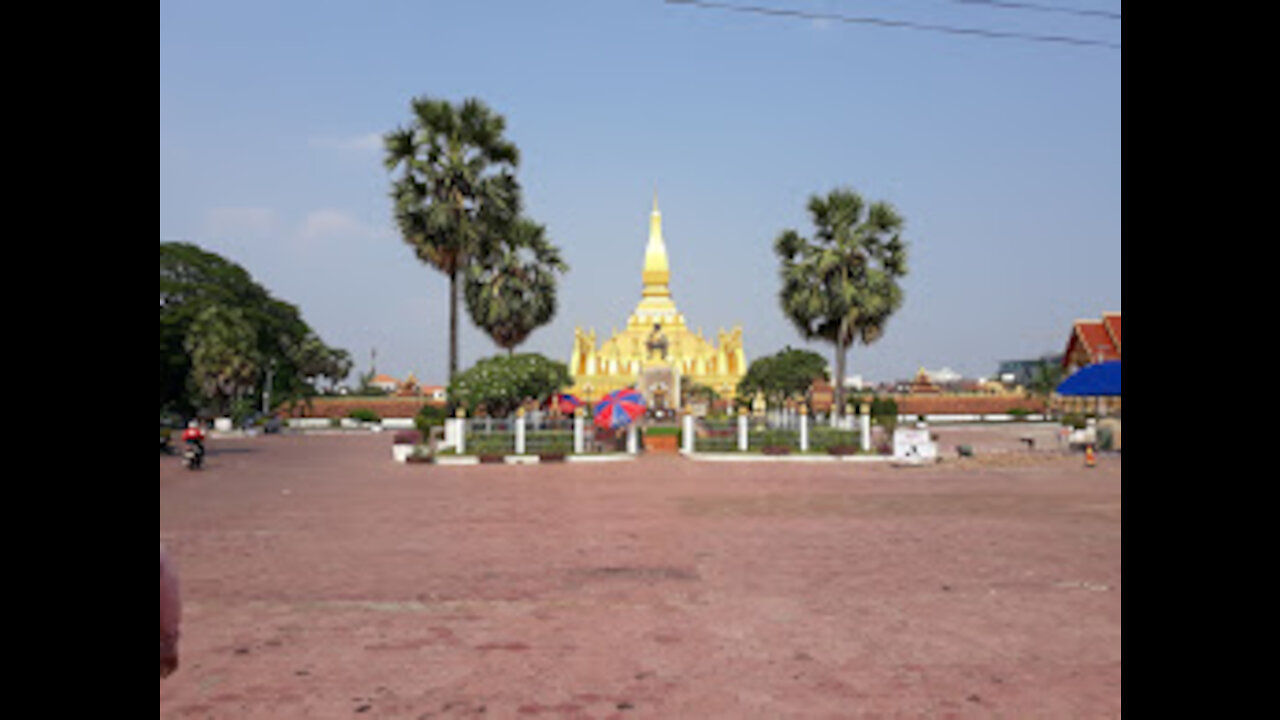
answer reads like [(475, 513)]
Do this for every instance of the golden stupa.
[(656, 353)]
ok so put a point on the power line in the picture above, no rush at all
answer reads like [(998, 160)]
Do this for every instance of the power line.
[(901, 24), (1041, 7)]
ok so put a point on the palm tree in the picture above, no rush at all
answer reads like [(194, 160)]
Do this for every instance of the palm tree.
[(512, 291), (457, 193), (224, 357), (842, 286)]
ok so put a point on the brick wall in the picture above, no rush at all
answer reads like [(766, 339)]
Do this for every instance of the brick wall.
[(965, 404), (340, 407)]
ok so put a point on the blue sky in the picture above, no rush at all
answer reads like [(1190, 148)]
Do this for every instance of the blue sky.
[(1002, 155)]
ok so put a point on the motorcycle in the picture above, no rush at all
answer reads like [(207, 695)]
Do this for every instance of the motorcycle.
[(193, 456)]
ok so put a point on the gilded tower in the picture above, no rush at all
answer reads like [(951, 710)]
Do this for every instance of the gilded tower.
[(656, 352)]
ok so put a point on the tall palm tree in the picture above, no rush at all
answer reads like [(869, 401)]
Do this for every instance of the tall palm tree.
[(842, 286), (512, 290), (457, 193)]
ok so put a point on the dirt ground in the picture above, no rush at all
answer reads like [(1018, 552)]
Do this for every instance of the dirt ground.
[(322, 580)]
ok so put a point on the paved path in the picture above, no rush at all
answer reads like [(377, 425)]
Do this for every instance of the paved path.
[(322, 580)]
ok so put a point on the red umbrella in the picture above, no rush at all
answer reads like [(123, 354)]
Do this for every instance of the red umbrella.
[(619, 408), (567, 403)]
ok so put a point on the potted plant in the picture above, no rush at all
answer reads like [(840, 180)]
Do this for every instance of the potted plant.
[(404, 444)]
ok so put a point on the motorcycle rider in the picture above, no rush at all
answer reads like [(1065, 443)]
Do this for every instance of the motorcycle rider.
[(193, 436)]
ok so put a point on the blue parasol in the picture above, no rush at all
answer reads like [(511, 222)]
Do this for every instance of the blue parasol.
[(566, 403), (619, 408)]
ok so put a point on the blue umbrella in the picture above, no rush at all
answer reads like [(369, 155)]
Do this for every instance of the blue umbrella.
[(1093, 380), (567, 403), (619, 408)]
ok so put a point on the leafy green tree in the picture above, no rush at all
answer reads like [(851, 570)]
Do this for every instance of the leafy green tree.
[(841, 286), (193, 280), (697, 392), (1046, 376), (224, 358), (786, 374), (456, 194), (501, 384), (512, 291), (319, 362)]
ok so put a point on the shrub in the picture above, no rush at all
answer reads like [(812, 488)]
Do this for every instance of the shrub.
[(498, 443), (884, 412), (774, 439), (1076, 421), (430, 416), (823, 438), (364, 415), (548, 441)]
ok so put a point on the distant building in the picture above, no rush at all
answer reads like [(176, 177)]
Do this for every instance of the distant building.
[(409, 387), (945, 376), (657, 351), (384, 382), (923, 384), (1024, 372), (1092, 342)]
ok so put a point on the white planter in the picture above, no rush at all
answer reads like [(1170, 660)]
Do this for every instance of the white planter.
[(401, 452)]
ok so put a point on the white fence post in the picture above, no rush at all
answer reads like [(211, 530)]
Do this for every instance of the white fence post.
[(804, 428), (865, 427), (742, 430), (460, 423), (520, 431), (631, 439), (578, 435), (688, 432)]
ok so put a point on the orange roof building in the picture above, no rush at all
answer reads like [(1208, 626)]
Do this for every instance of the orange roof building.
[(1092, 342), (923, 384), (384, 382)]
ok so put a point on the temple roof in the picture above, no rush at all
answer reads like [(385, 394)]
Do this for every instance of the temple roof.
[(1093, 341)]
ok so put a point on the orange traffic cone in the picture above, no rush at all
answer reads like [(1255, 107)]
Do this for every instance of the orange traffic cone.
[(1090, 460)]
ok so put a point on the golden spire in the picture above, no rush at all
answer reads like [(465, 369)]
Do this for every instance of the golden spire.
[(657, 274)]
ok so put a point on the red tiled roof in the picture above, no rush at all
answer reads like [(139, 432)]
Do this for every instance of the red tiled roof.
[(1097, 340), (1112, 322)]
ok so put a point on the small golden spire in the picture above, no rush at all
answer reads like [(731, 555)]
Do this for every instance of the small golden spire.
[(657, 274)]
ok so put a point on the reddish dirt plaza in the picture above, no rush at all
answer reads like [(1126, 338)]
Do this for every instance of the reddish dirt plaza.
[(322, 580)]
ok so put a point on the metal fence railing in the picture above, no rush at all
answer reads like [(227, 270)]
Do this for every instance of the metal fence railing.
[(775, 433), (549, 436), (539, 434), (531, 434)]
